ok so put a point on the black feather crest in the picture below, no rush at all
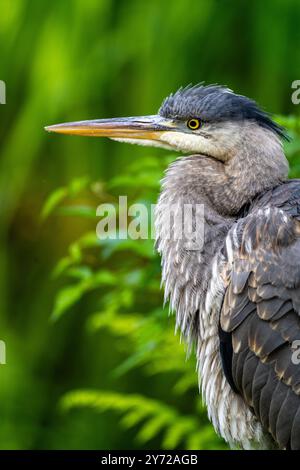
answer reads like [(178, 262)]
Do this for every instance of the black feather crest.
[(216, 103)]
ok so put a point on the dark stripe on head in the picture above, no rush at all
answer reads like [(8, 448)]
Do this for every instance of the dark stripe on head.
[(215, 103)]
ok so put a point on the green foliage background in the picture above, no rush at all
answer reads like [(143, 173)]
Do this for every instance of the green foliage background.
[(92, 359)]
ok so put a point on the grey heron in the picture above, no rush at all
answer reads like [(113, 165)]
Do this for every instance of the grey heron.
[(238, 298)]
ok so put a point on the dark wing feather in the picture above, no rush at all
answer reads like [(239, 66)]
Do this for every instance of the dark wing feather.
[(261, 311)]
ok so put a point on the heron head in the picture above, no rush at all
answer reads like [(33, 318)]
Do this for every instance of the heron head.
[(206, 120)]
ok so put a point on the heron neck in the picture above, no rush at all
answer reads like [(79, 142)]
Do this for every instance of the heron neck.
[(222, 189), (258, 164), (186, 272)]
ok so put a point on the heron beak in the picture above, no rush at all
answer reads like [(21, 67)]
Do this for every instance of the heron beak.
[(131, 128)]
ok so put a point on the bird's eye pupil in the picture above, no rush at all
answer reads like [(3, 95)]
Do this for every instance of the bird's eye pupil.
[(193, 124)]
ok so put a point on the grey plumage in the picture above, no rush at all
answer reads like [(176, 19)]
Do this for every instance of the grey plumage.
[(237, 299), (252, 237), (263, 312)]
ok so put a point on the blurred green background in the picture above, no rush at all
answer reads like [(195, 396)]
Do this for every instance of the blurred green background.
[(92, 359)]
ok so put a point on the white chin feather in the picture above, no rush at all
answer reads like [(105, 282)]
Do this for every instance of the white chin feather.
[(144, 142), (185, 142)]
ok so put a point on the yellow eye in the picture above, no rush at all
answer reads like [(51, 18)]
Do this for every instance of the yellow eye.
[(193, 124)]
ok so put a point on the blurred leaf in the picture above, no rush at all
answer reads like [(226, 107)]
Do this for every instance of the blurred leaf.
[(142, 248), (69, 295), (81, 211), (152, 415), (80, 272), (78, 184), (65, 298), (53, 201)]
